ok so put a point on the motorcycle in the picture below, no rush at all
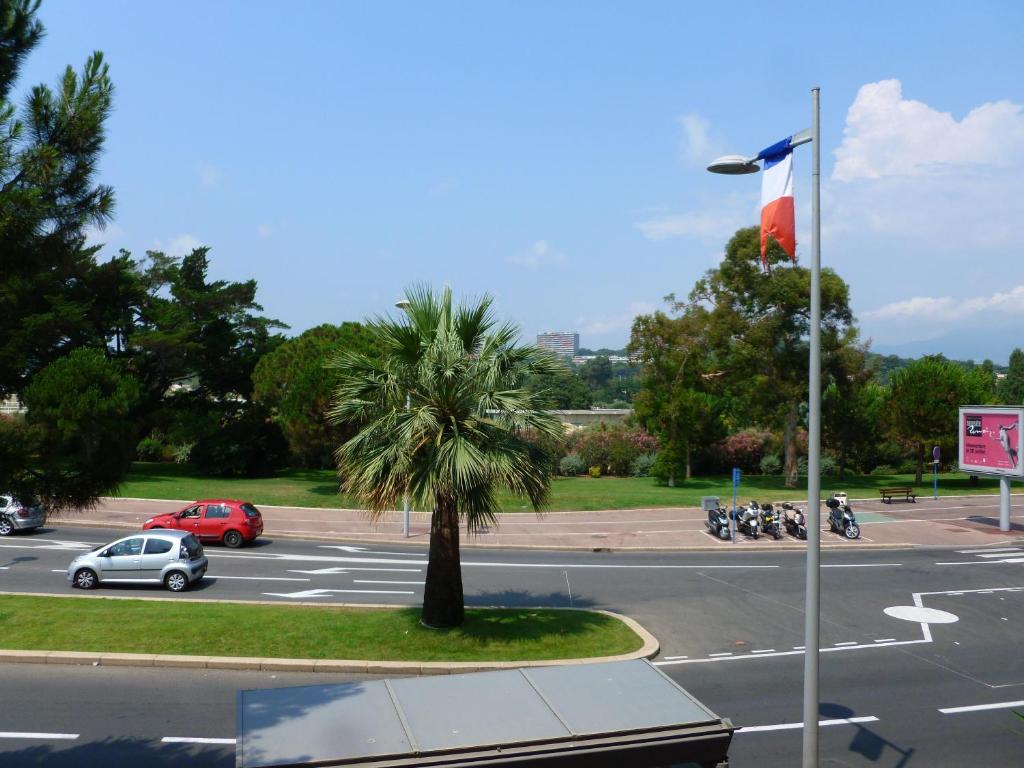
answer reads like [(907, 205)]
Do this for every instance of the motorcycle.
[(793, 520), (841, 519), (770, 521), (718, 523), (748, 520)]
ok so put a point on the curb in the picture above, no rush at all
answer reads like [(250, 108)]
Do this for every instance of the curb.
[(650, 648)]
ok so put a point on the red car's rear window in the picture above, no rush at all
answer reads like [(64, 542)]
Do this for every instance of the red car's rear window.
[(250, 510)]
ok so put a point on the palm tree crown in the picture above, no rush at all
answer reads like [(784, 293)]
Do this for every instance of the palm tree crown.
[(463, 434)]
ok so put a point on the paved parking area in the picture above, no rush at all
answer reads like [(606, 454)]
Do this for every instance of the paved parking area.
[(946, 521)]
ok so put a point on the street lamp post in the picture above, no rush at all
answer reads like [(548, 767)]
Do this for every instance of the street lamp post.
[(403, 304), (734, 165)]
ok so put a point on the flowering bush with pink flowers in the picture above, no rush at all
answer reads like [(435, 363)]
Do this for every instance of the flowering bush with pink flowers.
[(612, 448), (744, 449)]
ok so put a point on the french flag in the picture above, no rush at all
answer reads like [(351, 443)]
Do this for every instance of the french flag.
[(777, 218)]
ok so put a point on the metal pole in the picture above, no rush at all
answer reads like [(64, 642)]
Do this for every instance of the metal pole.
[(812, 599), (405, 497), (1004, 503)]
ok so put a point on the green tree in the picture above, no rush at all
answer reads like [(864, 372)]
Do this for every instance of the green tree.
[(850, 423), (756, 325), (295, 384), (561, 388), (1011, 387), (464, 437), (676, 401), (76, 441), (922, 407)]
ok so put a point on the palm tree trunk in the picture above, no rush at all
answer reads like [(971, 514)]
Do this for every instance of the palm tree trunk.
[(443, 605)]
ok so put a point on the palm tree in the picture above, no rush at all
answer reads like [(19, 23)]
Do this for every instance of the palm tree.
[(466, 433)]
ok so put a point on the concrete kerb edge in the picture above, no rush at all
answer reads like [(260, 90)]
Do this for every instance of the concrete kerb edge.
[(649, 648)]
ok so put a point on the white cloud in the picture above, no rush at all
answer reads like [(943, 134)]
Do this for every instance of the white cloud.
[(697, 145), (179, 245), (947, 310), (703, 225), (264, 231), (209, 175), (539, 254), (109, 234), (614, 323), (887, 135)]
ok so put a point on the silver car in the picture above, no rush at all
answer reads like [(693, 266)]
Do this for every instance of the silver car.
[(18, 516), (172, 558)]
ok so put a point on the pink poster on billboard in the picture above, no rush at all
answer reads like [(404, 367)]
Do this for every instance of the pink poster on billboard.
[(990, 441)]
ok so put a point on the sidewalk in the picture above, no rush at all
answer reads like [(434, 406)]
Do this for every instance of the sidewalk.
[(947, 521)]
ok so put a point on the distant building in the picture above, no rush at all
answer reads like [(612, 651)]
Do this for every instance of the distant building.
[(560, 342)]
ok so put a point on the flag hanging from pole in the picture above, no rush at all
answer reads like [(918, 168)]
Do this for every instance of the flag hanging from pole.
[(778, 220)]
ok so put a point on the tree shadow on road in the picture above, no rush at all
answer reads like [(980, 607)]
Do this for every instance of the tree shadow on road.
[(119, 753)]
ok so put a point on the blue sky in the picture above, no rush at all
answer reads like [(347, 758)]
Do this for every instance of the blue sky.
[(552, 154)]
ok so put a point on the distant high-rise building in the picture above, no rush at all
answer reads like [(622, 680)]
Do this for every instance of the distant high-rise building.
[(560, 342)]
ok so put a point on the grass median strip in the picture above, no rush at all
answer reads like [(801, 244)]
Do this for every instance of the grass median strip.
[(305, 632)]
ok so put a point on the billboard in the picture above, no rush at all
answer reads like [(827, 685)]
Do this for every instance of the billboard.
[(991, 440)]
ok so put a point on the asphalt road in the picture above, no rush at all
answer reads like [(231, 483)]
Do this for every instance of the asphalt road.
[(730, 624)]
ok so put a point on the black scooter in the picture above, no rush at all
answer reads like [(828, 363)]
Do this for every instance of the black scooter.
[(770, 521), (842, 520), (718, 523), (793, 519), (748, 520)]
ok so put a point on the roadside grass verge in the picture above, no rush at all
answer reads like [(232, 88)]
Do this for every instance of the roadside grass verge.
[(319, 488), (304, 632)]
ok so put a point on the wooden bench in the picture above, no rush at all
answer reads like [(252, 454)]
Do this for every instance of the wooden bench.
[(907, 493)]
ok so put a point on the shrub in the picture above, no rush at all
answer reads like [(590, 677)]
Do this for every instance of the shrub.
[(612, 448), (183, 453), (884, 469), (908, 467), (149, 449), (801, 466), (572, 465), (744, 449), (643, 464), (594, 471), (771, 464), (828, 466)]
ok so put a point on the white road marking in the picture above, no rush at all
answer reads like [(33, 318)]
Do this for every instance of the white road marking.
[(981, 707), (365, 551), (259, 578), (795, 652), (864, 565), (886, 640), (308, 593), (675, 658), (766, 650), (367, 581), (714, 655), (798, 647), (194, 740), (997, 554), (794, 726), (982, 562), (848, 642), (30, 735), (337, 571), (986, 550)]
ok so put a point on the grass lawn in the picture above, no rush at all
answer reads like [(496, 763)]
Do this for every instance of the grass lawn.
[(319, 488), (212, 629)]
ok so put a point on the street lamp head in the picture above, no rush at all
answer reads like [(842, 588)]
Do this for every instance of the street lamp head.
[(403, 304), (734, 165)]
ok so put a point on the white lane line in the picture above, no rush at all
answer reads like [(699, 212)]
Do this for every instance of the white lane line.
[(259, 578), (675, 658), (718, 655), (798, 647), (59, 570), (793, 726), (337, 571), (981, 562), (363, 551), (998, 554), (368, 581), (864, 565), (886, 640), (308, 593), (981, 707), (194, 740), (795, 652), (30, 735), (766, 650), (848, 642), (986, 550)]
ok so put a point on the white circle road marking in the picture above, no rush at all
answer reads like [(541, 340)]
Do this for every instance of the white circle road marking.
[(921, 615)]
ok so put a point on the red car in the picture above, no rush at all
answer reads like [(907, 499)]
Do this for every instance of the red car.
[(228, 520)]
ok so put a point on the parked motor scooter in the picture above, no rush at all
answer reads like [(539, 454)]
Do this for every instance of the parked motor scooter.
[(748, 520), (793, 519), (770, 521), (718, 523), (841, 519)]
